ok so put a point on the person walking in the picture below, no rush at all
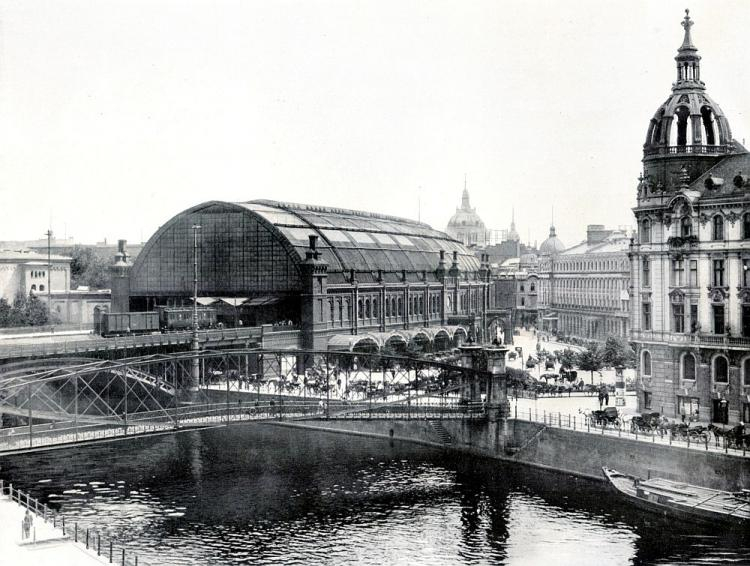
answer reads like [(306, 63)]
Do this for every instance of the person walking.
[(606, 398), (601, 398), (28, 522)]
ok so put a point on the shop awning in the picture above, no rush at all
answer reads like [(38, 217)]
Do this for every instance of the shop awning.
[(262, 301)]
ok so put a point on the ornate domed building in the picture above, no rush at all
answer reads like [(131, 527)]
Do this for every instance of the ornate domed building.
[(690, 264), (465, 225)]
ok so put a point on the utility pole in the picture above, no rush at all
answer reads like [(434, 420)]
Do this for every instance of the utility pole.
[(48, 233), (195, 374)]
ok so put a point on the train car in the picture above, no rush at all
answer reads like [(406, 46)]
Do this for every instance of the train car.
[(181, 318), (124, 323)]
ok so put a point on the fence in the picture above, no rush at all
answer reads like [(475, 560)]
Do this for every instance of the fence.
[(105, 546), (621, 428)]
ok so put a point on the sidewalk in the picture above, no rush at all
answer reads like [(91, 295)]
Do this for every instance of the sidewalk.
[(50, 549)]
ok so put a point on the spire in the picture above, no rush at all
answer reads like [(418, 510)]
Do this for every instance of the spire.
[(687, 42), (688, 60), (465, 197)]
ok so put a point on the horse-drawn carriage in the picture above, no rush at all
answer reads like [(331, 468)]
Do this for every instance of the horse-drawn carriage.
[(604, 417)]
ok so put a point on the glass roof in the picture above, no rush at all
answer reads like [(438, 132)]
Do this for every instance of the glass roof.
[(363, 241)]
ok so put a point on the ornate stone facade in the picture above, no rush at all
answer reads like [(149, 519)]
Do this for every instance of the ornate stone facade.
[(690, 264)]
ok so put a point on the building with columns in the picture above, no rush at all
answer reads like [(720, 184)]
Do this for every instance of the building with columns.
[(690, 263), (584, 289)]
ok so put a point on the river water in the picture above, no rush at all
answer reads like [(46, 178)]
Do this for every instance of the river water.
[(263, 494)]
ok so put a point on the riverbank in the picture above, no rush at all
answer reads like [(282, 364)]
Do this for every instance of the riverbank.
[(47, 546)]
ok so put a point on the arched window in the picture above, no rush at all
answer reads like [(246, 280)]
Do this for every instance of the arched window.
[(367, 308), (361, 309), (688, 367), (721, 369), (387, 308), (393, 306), (746, 226), (646, 364), (646, 231), (746, 372), (333, 310), (686, 226), (375, 312), (33, 287), (400, 306), (718, 231), (41, 287)]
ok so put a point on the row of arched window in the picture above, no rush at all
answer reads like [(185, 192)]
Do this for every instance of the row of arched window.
[(33, 287), (689, 367), (718, 231), (36, 274)]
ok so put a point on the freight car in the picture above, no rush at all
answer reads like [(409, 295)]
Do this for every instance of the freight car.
[(164, 319)]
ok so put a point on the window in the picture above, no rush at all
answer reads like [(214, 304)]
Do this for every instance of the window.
[(746, 374), (718, 273), (333, 311), (693, 272), (33, 287), (361, 309), (646, 272), (718, 319), (721, 370), (523, 302), (678, 318), (533, 287), (688, 367), (646, 365), (41, 287), (646, 312), (746, 226), (522, 288), (745, 314), (647, 399), (746, 272), (678, 271), (718, 227), (693, 318), (646, 231), (686, 227)]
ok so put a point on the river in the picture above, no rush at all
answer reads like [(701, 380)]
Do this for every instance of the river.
[(263, 494)]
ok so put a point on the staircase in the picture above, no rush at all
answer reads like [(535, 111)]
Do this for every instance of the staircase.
[(443, 434)]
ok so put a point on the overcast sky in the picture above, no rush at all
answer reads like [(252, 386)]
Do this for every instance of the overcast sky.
[(115, 116)]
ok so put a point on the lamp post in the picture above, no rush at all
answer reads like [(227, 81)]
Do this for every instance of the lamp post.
[(195, 373)]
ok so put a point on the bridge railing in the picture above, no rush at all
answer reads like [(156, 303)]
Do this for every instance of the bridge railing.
[(93, 539)]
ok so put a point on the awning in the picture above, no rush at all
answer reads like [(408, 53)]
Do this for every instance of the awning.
[(206, 301), (262, 301), (232, 301)]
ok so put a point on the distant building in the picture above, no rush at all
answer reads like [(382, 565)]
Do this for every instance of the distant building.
[(28, 272), (584, 289), (518, 292), (466, 226), (690, 265)]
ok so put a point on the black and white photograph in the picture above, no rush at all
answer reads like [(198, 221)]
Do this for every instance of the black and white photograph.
[(374, 282)]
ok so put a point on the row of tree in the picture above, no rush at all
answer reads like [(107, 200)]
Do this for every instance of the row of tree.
[(26, 310), (615, 352)]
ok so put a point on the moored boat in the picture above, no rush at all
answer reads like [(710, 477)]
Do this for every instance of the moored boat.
[(682, 500)]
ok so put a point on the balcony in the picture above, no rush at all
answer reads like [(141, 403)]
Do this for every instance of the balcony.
[(682, 242), (705, 340), (688, 149)]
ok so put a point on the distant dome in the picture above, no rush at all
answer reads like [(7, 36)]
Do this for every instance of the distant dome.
[(552, 245), (465, 225)]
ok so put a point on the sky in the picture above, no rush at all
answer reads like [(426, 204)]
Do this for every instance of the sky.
[(117, 115)]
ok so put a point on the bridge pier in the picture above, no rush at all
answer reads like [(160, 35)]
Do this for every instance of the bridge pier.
[(498, 406), (470, 386)]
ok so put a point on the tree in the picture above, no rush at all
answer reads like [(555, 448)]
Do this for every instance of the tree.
[(590, 359), (4, 313), (617, 352), (25, 311), (567, 359), (88, 269)]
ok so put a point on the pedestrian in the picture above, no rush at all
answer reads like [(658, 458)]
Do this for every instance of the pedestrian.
[(28, 522), (601, 399), (606, 398)]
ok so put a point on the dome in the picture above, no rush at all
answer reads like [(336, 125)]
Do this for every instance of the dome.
[(552, 245), (465, 225), (689, 121)]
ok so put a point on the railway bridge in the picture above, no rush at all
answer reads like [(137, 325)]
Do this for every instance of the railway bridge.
[(61, 401)]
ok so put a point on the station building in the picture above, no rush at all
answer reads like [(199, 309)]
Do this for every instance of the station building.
[(328, 278), (690, 265)]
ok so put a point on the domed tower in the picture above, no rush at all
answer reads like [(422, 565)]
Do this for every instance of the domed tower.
[(688, 130), (465, 225), (552, 245)]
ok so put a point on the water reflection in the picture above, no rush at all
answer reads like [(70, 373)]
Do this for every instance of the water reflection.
[(270, 495)]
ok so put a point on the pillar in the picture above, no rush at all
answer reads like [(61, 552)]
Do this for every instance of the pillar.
[(469, 390), (498, 406)]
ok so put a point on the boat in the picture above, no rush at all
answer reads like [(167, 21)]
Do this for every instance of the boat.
[(682, 500)]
